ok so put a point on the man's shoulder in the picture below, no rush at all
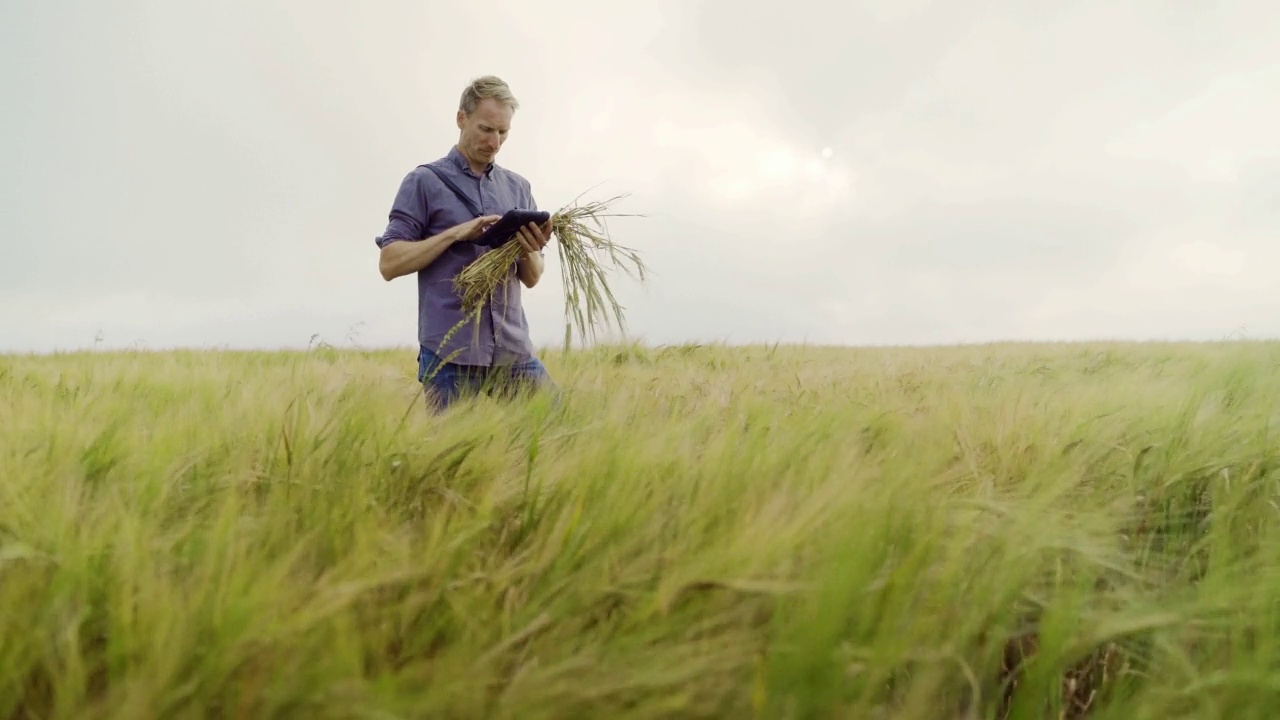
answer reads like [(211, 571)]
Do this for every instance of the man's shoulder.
[(511, 176), (419, 176), (428, 169)]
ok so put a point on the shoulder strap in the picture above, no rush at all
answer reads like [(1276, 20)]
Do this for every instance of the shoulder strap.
[(466, 199)]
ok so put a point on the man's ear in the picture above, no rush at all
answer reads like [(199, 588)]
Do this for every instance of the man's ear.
[(461, 117)]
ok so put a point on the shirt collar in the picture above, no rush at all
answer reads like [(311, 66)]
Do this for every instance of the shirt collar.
[(461, 162)]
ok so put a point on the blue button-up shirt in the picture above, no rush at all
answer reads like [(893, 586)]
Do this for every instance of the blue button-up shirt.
[(423, 207)]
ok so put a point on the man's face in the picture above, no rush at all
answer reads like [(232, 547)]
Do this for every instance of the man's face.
[(484, 131)]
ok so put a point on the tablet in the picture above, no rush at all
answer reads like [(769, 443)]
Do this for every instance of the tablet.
[(506, 228)]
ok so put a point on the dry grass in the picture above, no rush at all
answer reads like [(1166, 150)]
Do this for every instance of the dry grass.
[(587, 253)]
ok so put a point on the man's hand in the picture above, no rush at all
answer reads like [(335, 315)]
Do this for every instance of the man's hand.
[(530, 264), (472, 229), (534, 237)]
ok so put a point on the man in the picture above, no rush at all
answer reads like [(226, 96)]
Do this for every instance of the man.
[(429, 233)]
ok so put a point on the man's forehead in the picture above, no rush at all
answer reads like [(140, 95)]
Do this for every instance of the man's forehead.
[(493, 114)]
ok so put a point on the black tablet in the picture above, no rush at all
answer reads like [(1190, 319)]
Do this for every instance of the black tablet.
[(506, 228)]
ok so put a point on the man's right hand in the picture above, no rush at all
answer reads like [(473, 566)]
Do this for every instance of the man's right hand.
[(472, 229)]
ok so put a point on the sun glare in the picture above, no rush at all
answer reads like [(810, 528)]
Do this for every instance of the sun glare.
[(780, 169)]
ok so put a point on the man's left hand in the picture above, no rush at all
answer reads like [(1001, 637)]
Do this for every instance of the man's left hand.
[(534, 237)]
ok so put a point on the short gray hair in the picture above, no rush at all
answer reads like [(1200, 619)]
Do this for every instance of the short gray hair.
[(486, 87)]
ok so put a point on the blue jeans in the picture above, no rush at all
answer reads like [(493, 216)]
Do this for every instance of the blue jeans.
[(445, 383)]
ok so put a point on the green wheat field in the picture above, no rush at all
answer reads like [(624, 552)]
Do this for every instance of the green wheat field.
[(994, 531)]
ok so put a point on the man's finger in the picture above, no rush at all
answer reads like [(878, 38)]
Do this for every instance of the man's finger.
[(525, 241)]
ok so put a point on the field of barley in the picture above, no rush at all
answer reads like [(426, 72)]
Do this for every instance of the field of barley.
[(996, 531)]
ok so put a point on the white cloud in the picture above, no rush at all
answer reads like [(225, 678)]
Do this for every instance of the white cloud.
[(876, 172), (1214, 134), (733, 164)]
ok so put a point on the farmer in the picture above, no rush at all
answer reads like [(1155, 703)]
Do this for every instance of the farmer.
[(439, 209)]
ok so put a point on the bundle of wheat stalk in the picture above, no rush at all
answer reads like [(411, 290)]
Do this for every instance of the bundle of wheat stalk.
[(583, 241)]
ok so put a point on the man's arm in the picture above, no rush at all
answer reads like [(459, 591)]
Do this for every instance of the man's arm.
[(531, 263), (533, 238), (404, 257), (529, 267), (403, 249)]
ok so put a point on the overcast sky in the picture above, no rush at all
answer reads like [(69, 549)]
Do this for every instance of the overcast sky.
[(899, 171)]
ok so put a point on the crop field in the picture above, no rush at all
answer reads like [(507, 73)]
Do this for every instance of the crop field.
[(994, 531)]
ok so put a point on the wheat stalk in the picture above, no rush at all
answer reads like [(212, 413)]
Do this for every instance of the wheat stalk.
[(584, 244)]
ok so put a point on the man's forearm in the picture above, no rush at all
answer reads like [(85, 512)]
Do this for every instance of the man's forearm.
[(404, 257), (529, 267)]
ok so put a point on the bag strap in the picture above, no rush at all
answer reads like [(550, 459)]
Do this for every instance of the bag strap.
[(466, 199)]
